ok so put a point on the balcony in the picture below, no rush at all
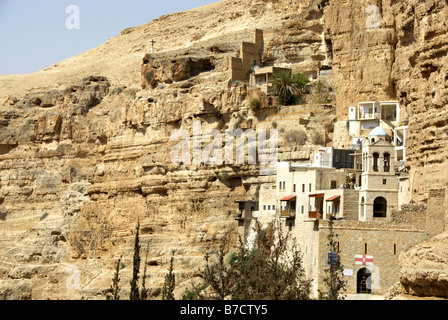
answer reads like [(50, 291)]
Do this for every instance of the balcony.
[(288, 214), (316, 215)]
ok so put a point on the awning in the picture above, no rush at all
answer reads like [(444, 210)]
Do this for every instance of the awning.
[(317, 195), (333, 198), (288, 198)]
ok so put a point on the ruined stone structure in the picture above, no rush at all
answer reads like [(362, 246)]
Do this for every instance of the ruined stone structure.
[(250, 57)]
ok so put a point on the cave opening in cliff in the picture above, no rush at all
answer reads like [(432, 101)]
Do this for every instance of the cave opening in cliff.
[(199, 66)]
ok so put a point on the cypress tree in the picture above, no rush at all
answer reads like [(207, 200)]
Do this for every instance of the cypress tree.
[(170, 282), (135, 294), (114, 290), (335, 271)]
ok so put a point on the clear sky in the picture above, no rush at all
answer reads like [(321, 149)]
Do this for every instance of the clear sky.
[(35, 34)]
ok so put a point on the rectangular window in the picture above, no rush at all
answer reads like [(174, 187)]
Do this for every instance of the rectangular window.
[(303, 187), (269, 207), (303, 209), (310, 187), (365, 248), (294, 188), (273, 207), (384, 181), (264, 207), (280, 185), (395, 249)]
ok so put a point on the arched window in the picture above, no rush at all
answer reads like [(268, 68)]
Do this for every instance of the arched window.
[(386, 162), (375, 161), (380, 208)]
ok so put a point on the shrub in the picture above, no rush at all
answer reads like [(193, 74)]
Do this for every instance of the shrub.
[(269, 268), (224, 176), (255, 103), (42, 217), (297, 137), (238, 123), (317, 138)]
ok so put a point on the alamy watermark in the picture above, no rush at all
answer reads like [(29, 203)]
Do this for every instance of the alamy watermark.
[(73, 21), (228, 148), (72, 282)]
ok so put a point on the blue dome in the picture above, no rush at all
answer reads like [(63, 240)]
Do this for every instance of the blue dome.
[(378, 131)]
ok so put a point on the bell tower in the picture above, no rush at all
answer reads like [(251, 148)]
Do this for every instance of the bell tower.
[(379, 188)]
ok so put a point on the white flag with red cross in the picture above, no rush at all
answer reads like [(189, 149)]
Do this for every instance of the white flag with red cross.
[(365, 260)]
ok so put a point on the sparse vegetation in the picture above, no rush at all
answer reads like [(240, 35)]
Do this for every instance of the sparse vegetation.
[(136, 292), (317, 138), (270, 267), (296, 137), (323, 92), (224, 176), (238, 123), (255, 103), (42, 217)]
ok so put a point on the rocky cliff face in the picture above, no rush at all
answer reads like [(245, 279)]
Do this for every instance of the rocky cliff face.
[(85, 144)]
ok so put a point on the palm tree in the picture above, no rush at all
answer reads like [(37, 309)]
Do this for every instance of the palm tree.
[(285, 87)]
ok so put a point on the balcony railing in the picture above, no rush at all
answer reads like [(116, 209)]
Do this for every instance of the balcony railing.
[(316, 214), (289, 214)]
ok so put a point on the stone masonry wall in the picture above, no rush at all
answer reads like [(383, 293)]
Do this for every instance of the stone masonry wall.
[(380, 240)]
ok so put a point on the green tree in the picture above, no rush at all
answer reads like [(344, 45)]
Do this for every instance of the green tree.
[(285, 87), (301, 81), (220, 276), (170, 281), (334, 280), (143, 290), (114, 290), (269, 267), (289, 87), (135, 292)]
